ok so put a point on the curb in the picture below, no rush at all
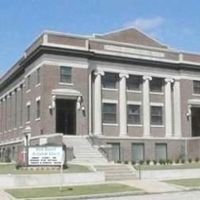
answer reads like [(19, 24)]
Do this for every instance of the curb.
[(96, 196)]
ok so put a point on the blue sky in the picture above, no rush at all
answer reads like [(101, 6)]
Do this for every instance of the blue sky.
[(173, 22)]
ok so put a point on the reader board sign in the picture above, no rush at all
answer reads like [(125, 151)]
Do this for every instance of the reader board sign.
[(46, 155)]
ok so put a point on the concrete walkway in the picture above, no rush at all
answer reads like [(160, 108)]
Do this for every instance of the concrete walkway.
[(4, 196), (152, 186)]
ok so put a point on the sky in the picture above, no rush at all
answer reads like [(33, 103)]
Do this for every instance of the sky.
[(173, 22)]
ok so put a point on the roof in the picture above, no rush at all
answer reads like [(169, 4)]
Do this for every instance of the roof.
[(130, 44), (131, 36)]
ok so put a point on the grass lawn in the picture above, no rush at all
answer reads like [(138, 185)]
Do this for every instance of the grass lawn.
[(170, 166), (70, 190), (195, 182), (10, 169)]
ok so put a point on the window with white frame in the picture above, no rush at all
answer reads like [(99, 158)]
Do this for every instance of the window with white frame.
[(109, 113), (156, 85), (28, 112), (65, 74), (160, 151), (109, 80), (133, 114), (28, 82), (156, 115), (137, 152), (134, 83), (196, 87), (38, 112), (38, 76)]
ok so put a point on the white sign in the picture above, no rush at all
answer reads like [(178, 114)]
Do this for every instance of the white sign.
[(48, 155)]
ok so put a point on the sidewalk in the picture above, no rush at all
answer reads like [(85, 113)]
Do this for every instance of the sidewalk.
[(152, 186), (4, 196)]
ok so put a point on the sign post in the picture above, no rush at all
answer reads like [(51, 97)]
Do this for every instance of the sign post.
[(61, 172)]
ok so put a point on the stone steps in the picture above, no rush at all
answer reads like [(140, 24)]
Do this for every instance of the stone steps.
[(117, 172), (84, 152)]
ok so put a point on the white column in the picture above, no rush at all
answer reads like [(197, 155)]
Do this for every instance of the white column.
[(146, 106), (168, 107), (177, 109), (122, 105), (98, 104)]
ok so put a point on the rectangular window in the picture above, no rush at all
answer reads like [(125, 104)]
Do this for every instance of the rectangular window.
[(133, 114), (134, 83), (21, 105), (109, 113), (116, 153), (196, 87), (16, 105), (28, 82), (28, 107), (161, 151), (137, 152), (156, 85), (109, 80), (38, 109), (38, 76), (65, 74), (156, 115)]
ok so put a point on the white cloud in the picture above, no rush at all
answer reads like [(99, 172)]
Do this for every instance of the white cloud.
[(146, 24)]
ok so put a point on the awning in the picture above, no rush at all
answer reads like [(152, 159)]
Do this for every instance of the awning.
[(194, 102), (66, 93)]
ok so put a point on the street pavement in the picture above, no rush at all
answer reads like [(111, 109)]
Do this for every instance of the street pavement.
[(186, 195)]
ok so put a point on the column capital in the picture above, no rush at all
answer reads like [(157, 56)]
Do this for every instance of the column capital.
[(101, 73), (123, 75), (169, 80), (18, 89), (147, 78)]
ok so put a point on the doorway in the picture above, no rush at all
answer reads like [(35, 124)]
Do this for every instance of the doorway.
[(195, 121), (66, 116)]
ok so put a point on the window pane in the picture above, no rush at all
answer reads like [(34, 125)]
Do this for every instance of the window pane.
[(38, 109), (109, 80), (28, 113), (161, 152), (28, 82), (137, 152), (38, 76), (134, 82), (133, 114), (156, 115), (196, 87), (109, 113), (156, 85), (65, 74)]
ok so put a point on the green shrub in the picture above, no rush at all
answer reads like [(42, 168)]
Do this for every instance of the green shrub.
[(65, 166), (148, 162), (162, 162), (190, 160), (197, 159), (118, 161), (141, 162), (182, 161), (154, 162), (133, 162), (19, 165), (177, 161), (168, 161), (126, 162)]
